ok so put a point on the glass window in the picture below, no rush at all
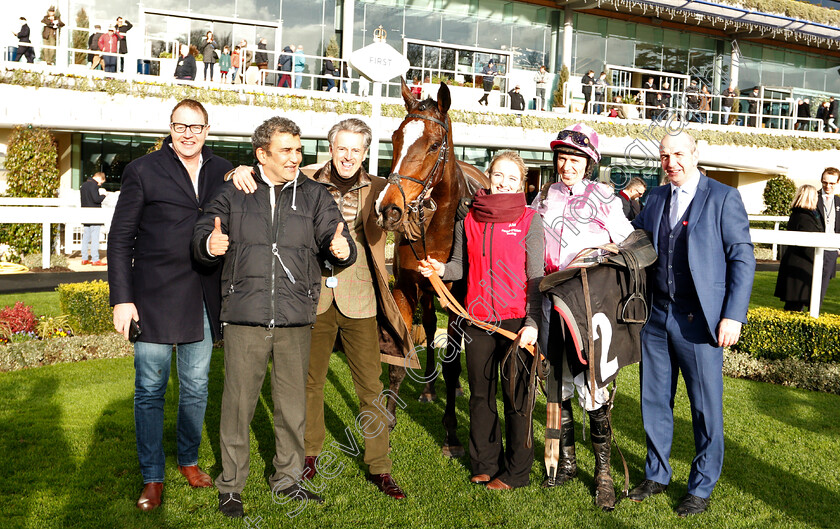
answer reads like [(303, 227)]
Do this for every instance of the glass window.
[(368, 17), (529, 46), (307, 22), (620, 51), (494, 35), (423, 25), (459, 30), (589, 54), (648, 48)]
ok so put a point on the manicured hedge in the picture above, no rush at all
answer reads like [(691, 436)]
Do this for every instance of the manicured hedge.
[(776, 334), (87, 306), (36, 353)]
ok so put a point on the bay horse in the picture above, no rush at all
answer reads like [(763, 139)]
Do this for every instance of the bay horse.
[(424, 166)]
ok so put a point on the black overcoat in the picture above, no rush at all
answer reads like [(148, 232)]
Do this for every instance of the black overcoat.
[(149, 259), (796, 267)]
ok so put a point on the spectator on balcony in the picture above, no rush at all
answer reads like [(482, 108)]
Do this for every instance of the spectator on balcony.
[(828, 208), (109, 46), (208, 52), (92, 196), (121, 27), (328, 72), (752, 108), (95, 59), (600, 92), (24, 44), (284, 65), (630, 196), (832, 115), (650, 98), (235, 61), (185, 70), (663, 100), (705, 103), (345, 78), (803, 112), (517, 101), (300, 66), (489, 73), (692, 101), (727, 102), (52, 23), (416, 88), (261, 57), (586, 87), (793, 284), (224, 64), (541, 79)]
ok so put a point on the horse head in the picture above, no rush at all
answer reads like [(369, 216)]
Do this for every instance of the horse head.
[(422, 147)]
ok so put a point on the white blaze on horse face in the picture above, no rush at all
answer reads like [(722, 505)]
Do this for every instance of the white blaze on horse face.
[(378, 203), (412, 132)]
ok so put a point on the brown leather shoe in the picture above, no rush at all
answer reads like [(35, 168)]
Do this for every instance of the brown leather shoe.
[(480, 479), (387, 485), (195, 476), (150, 497), (309, 470), (498, 484)]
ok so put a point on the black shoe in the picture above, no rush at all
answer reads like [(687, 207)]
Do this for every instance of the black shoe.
[(230, 503), (296, 492), (692, 504), (645, 490)]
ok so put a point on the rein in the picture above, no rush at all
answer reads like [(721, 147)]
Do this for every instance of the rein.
[(416, 205)]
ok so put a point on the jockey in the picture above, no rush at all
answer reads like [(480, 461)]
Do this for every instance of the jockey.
[(577, 213)]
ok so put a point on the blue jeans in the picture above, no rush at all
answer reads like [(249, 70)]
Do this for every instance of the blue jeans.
[(151, 365), (90, 239), (298, 79)]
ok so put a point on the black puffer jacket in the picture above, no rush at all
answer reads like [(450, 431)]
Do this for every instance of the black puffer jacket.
[(280, 255)]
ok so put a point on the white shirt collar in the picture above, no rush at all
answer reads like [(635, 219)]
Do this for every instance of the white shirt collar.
[(689, 186)]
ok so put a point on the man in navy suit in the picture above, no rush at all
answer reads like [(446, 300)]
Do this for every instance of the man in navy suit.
[(154, 280), (828, 207), (700, 286)]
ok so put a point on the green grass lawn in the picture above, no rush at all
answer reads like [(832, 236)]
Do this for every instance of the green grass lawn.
[(68, 457), (68, 460), (42, 303)]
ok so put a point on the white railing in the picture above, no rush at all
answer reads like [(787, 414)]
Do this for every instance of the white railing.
[(776, 220), (55, 212), (819, 241)]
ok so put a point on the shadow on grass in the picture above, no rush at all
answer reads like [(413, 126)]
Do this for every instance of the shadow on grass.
[(36, 455), (796, 495)]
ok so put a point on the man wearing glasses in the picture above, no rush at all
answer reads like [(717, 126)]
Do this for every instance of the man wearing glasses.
[(828, 207), (175, 301)]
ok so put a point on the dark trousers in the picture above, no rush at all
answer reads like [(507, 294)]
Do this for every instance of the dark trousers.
[(674, 341), (247, 351), (360, 342), (208, 65), (829, 271), (511, 463)]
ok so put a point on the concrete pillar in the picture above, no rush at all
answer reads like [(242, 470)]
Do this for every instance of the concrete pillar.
[(347, 20), (734, 62), (555, 41), (568, 35)]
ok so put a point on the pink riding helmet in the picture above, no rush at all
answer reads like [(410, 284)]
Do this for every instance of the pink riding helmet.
[(580, 137)]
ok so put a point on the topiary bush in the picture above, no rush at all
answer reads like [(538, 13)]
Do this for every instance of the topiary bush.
[(87, 306), (775, 334), (778, 195), (37, 353), (32, 171)]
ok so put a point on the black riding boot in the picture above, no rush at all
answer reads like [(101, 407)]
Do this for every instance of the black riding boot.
[(601, 436), (567, 466)]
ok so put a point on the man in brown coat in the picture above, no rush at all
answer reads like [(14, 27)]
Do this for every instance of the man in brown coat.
[(357, 306)]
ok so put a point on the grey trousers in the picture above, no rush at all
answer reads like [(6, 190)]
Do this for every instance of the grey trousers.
[(247, 351)]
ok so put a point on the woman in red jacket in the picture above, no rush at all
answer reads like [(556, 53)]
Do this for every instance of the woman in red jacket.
[(501, 241)]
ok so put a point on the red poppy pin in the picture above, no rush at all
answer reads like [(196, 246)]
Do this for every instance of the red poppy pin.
[(685, 223)]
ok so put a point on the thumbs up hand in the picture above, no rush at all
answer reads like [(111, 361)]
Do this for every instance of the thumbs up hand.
[(218, 243), (339, 246)]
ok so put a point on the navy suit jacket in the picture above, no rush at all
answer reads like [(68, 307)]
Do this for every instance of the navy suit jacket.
[(720, 251), (150, 261)]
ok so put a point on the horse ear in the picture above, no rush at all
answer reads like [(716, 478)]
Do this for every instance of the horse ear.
[(408, 97), (444, 99)]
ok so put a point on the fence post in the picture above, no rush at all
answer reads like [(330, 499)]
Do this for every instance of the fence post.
[(45, 245), (775, 246), (816, 282)]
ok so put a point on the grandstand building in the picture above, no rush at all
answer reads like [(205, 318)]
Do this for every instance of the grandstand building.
[(790, 56)]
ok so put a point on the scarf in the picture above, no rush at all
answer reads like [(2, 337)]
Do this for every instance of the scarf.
[(502, 207)]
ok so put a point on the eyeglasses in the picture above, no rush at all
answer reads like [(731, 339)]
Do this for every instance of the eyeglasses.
[(578, 138), (182, 127)]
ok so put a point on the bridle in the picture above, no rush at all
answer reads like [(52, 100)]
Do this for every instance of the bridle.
[(416, 205)]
